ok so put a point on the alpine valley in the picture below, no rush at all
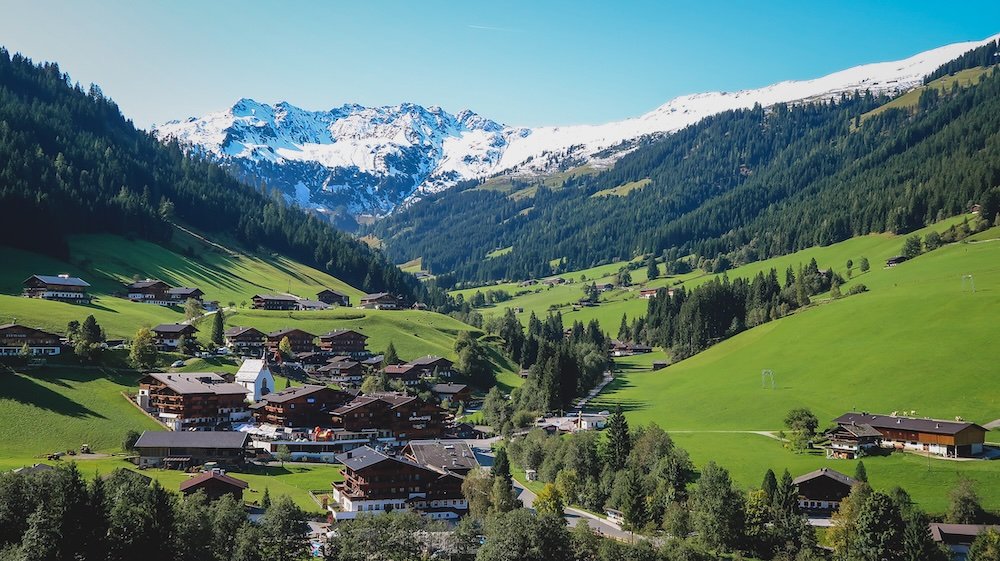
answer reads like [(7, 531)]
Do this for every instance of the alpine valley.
[(354, 160)]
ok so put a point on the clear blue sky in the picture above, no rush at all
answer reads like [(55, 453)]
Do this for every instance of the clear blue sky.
[(523, 63)]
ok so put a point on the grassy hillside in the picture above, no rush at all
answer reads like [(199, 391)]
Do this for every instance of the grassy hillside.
[(910, 99)]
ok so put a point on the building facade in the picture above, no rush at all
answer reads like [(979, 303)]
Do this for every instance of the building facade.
[(193, 401), (14, 337), (63, 288)]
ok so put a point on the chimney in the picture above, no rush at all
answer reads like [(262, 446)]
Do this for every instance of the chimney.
[(350, 455), (63, 276)]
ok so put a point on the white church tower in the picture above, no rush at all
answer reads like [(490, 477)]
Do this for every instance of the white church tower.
[(256, 378)]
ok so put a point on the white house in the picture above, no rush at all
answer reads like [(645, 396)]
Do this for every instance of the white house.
[(255, 376)]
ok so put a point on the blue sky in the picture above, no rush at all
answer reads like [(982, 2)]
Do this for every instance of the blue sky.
[(523, 63)]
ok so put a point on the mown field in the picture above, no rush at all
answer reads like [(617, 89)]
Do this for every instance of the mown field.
[(918, 341)]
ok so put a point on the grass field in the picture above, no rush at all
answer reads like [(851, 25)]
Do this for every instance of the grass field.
[(909, 100), (622, 190), (916, 341)]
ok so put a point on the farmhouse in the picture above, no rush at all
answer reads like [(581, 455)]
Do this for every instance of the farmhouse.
[(850, 441), (300, 406), (954, 439), (346, 342), (454, 393), (181, 294), (554, 281), (14, 337), (958, 538), (149, 291), (823, 489), (332, 297), (183, 449), (647, 293), (406, 417), (255, 376), (246, 341), (215, 485), (893, 261), (301, 341), (455, 456), (406, 373), (58, 287), (623, 348), (167, 336), (197, 400), (275, 302), (375, 483), (428, 365), (311, 305), (343, 371), (381, 301)]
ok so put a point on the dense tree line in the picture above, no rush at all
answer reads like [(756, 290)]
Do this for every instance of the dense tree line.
[(743, 185), (73, 164), (56, 515), (985, 56)]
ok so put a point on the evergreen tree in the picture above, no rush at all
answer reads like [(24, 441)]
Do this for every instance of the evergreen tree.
[(265, 500), (865, 266), (501, 466), (286, 531), (390, 356), (880, 529), (717, 509), (501, 496), (860, 473), (652, 271), (918, 545), (769, 485), (633, 502), (619, 441), (218, 327)]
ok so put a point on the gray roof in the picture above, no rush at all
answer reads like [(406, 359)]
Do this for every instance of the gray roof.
[(445, 454), (429, 359), (173, 328), (338, 332), (183, 290), (366, 456), (332, 291), (287, 297), (146, 283), (932, 426), (826, 472), (448, 388), (292, 393), (237, 331), (375, 295), (288, 330), (64, 281), (198, 382), (192, 439), (313, 304), (958, 533)]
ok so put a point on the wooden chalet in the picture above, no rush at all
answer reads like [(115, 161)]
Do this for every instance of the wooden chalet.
[(215, 485), (246, 341), (149, 291), (194, 400), (409, 374), (823, 490), (184, 449), (381, 301), (428, 365), (455, 456), (647, 293), (63, 288), (850, 441), (953, 439), (406, 417), (301, 341), (333, 298), (13, 338), (375, 483), (346, 342), (182, 294), (167, 336), (299, 406), (342, 371), (275, 302), (454, 393)]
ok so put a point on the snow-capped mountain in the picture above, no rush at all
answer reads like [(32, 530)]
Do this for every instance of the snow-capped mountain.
[(371, 159)]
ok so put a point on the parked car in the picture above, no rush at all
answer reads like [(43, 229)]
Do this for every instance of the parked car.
[(177, 364)]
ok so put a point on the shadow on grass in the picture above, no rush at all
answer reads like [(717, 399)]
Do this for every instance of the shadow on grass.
[(24, 389)]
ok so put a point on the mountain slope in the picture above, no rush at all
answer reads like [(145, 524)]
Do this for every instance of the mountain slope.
[(355, 159)]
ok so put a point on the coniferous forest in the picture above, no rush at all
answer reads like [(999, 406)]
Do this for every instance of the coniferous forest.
[(744, 185), (73, 164)]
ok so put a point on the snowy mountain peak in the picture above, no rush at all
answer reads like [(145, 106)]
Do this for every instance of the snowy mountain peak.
[(358, 159)]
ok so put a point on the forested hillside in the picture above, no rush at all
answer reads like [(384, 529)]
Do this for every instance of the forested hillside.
[(70, 163), (734, 188)]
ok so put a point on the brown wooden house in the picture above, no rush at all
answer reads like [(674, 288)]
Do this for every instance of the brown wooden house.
[(183, 449), (381, 301), (181, 294), (215, 485), (428, 365), (275, 302), (454, 393), (347, 342), (406, 373), (300, 406), (332, 297), (342, 371), (200, 400), (149, 291), (823, 490), (167, 336), (955, 439), (63, 288), (301, 341), (248, 341), (13, 338)]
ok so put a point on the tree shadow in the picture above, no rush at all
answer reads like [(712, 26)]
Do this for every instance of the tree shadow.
[(24, 389)]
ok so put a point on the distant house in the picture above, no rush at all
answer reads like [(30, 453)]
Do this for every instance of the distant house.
[(823, 490), (605, 287), (275, 302), (167, 336), (184, 449), (33, 468), (301, 341), (381, 301), (660, 364), (246, 341), (615, 516), (953, 439), (406, 373), (554, 281), (150, 291), (332, 297), (850, 441), (346, 342), (342, 371), (455, 456), (215, 485), (958, 538), (893, 261), (181, 294), (454, 393), (647, 293), (530, 282), (427, 365), (623, 348), (419, 306), (13, 338), (312, 305), (58, 287), (192, 400), (300, 406), (255, 376)]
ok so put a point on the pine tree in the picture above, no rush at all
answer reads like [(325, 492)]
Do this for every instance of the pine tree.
[(633, 502), (619, 441), (769, 485), (623, 329), (860, 473), (390, 356), (652, 271), (218, 327), (265, 500)]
